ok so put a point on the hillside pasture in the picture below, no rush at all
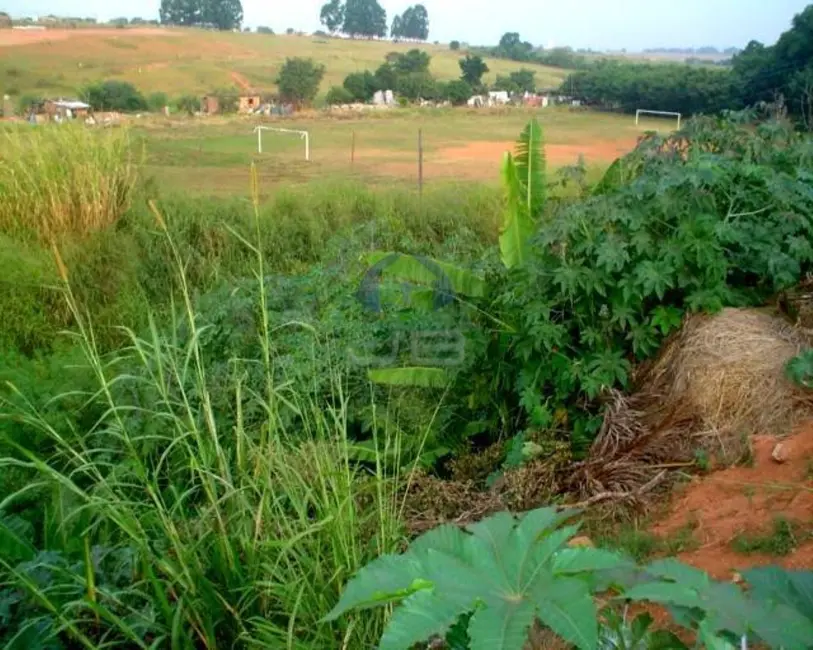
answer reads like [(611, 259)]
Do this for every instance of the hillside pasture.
[(212, 155), (192, 61)]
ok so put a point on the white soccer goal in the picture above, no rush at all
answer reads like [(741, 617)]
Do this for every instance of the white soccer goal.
[(302, 134), (641, 111)]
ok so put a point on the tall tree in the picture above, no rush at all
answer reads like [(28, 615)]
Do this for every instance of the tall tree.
[(298, 80), (332, 15), (416, 23), (473, 69), (397, 29), (222, 14), (364, 18)]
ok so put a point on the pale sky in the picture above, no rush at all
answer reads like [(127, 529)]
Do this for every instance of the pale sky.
[(599, 24)]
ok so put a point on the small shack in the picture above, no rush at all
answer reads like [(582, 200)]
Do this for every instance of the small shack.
[(209, 105), (248, 103), (65, 109)]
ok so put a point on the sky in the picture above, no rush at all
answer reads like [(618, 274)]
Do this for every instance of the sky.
[(597, 24)]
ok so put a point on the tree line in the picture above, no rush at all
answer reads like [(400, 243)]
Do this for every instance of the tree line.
[(215, 14), (367, 18), (779, 76)]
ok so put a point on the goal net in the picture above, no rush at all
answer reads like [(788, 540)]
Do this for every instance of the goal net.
[(643, 111), (303, 135)]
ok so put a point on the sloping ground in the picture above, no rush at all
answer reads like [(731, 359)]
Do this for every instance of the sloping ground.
[(178, 61), (729, 508)]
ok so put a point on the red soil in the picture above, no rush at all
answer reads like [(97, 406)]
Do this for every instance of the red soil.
[(12, 37), (739, 500)]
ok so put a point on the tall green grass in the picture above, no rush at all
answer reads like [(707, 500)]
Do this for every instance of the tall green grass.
[(59, 180), (158, 527), (116, 272)]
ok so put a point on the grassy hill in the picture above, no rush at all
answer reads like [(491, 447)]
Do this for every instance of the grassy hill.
[(179, 61)]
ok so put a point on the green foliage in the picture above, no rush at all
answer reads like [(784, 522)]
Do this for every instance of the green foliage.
[(498, 576), (627, 86), (417, 85), (114, 96), (780, 541), (413, 24), (519, 81), (457, 92), (189, 104), (298, 80), (473, 68), (608, 278), (262, 29), (720, 611), (338, 95), (414, 61), (361, 86), (219, 14), (774, 584), (332, 15), (364, 18), (454, 46), (505, 571), (524, 181), (799, 369), (157, 101)]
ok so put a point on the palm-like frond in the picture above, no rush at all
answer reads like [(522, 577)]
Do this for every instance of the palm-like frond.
[(530, 164), (518, 227)]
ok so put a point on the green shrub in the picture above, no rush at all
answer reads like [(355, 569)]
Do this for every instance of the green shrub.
[(361, 85), (157, 101), (188, 104), (458, 92), (114, 95), (338, 95), (159, 518)]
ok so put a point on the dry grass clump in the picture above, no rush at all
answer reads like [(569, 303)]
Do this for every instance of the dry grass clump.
[(63, 179), (718, 381)]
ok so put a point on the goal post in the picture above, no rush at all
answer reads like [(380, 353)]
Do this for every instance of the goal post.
[(642, 111), (304, 135)]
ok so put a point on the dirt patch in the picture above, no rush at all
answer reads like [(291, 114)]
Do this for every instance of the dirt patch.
[(14, 37), (241, 82), (491, 153), (747, 500)]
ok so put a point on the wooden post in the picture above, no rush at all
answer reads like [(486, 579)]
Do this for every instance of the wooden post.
[(420, 162), (353, 148)]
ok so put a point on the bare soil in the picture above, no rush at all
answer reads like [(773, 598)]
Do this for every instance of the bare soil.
[(746, 500), (13, 37)]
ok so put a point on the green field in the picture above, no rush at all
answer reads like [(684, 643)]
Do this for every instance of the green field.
[(212, 155), (179, 61)]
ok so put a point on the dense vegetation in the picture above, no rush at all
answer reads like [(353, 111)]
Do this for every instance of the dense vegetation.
[(217, 14), (780, 75), (223, 437)]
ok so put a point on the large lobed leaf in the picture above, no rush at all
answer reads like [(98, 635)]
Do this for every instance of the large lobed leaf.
[(505, 571)]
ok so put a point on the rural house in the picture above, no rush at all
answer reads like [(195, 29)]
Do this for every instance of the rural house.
[(209, 105), (248, 103)]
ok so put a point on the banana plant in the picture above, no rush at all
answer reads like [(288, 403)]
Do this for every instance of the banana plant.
[(524, 183)]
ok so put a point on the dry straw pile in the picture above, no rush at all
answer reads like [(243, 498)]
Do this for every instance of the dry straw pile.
[(718, 381)]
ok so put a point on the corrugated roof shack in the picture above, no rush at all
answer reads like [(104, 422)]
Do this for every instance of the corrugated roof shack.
[(65, 109)]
